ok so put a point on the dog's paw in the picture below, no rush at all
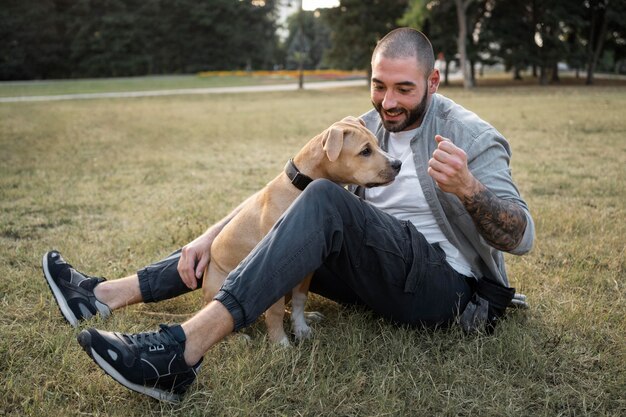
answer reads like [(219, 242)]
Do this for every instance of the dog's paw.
[(243, 338), (313, 317), (283, 342), (302, 332)]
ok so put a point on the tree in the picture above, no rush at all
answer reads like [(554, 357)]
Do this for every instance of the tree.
[(315, 39), (461, 14), (356, 26), (31, 40), (436, 18), (532, 32), (103, 42), (216, 35), (606, 26), (435, 21), (510, 30), (96, 38), (615, 44), (478, 14)]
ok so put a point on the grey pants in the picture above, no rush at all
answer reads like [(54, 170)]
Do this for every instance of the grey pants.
[(360, 255)]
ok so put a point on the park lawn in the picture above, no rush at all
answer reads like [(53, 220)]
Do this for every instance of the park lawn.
[(117, 184)]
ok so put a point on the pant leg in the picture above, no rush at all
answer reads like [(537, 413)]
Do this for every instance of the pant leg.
[(433, 296), (161, 280), (385, 263)]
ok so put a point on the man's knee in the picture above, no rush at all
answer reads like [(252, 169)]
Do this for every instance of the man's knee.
[(322, 186), (324, 192), (323, 200), (330, 198)]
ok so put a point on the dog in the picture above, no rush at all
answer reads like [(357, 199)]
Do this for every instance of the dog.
[(346, 153)]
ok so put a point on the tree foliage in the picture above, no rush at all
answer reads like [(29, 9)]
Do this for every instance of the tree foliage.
[(31, 40), (439, 24), (356, 26), (312, 41), (92, 38), (528, 33)]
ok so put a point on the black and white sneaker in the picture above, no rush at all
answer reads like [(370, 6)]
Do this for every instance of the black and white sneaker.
[(72, 290), (148, 363)]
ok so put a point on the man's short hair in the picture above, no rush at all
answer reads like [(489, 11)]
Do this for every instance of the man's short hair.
[(407, 43)]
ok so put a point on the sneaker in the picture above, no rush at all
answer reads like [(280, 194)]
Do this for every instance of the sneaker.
[(72, 290), (148, 363)]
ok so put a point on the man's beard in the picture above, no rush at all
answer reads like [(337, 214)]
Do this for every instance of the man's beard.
[(413, 116)]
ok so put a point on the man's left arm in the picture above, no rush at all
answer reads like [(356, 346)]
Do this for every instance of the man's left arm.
[(501, 222)]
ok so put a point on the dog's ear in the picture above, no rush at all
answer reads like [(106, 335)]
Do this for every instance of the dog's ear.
[(332, 142), (354, 120)]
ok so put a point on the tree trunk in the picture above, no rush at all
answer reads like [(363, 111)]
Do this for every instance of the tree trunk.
[(517, 73), (596, 44), (446, 73), (543, 75), (461, 14), (555, 73), (472, 65)]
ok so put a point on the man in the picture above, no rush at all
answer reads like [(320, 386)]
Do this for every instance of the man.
[(413, 251)]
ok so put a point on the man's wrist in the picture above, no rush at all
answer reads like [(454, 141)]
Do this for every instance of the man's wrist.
[(473, 188)]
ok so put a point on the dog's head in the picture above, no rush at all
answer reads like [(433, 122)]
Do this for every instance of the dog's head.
[(354, 157)]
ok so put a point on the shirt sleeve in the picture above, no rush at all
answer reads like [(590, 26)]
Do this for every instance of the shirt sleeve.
[(489, 161)]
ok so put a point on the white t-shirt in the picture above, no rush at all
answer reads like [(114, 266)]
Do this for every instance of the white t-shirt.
[(405, 200)]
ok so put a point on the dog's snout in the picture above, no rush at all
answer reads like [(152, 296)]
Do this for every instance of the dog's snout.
[(396, 164)]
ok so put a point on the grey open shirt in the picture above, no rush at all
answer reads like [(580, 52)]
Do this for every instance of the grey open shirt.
[(488, 155)]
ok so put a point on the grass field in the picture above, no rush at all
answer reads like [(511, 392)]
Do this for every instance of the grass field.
[(117, 184)]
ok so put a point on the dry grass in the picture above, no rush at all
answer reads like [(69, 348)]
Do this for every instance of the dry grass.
[(118, 184)]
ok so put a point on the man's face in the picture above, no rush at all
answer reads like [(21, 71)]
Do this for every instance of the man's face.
[(400, 91)]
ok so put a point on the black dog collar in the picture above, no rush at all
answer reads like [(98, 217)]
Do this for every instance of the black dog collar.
[(298, 179)]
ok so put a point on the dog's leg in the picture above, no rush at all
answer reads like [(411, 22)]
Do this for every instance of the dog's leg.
[(213, 279), (274, 320), (299, 326)]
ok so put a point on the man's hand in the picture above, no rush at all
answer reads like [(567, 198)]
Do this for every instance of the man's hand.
[(194, 258), (448, 167)]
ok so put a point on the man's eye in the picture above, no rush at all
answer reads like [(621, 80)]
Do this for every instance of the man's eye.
[(366, 152)]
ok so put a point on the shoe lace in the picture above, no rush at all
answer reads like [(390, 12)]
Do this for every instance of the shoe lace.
[(152, 340)]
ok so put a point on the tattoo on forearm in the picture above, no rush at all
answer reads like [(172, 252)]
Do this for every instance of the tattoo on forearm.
[(502, 223)]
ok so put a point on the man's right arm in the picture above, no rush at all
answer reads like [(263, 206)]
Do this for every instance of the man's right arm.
[(195, 256)]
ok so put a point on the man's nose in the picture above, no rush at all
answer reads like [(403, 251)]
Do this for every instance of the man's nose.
[(389, 101)]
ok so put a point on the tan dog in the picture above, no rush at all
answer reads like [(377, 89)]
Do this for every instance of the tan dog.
[(345, 153)]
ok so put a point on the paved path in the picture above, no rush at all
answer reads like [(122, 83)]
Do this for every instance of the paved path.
[(225, 90), (187, 91)]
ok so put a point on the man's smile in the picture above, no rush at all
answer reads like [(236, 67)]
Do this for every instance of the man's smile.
[(392, 114)]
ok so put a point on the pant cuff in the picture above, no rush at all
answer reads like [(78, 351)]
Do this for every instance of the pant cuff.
[(144, 286), (234, 308)]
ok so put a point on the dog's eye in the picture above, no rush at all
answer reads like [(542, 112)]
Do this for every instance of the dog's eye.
[(366, 152)]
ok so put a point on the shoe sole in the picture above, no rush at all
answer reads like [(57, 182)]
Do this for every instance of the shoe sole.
[(84, 339), (66, 311)]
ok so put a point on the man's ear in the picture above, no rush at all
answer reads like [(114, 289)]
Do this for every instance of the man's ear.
[(433, 81), (332, 142)]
